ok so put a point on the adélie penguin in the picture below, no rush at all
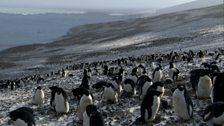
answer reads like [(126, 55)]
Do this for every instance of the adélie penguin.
[(214, 114), (217, 94), (182, 103), (143, 84), (53, 92), (61, 101), (22, 117), (38, 97), (91, 117), (204, 86), (110, 94), (157, 74), (85, 100), (150, 105)]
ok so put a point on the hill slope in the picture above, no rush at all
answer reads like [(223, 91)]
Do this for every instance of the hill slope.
[(193, 29)]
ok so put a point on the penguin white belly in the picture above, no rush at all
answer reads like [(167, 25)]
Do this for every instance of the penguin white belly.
[(158, 76), (219, 120), (155, 109), (145, 89), (212, 94), (61, 106), (110, 94), (204, 87), (180, 106), (20, 122), (86, 119), (127, 87), (84, 101), (38, 97), (161, 89), (171, 73)]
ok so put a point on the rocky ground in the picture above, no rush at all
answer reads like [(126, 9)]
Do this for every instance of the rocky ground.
[(123, 113)]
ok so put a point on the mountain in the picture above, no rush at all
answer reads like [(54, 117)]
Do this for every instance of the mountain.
[(190, 5)]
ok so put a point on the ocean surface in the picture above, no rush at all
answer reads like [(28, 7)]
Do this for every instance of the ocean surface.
[(21, 27)]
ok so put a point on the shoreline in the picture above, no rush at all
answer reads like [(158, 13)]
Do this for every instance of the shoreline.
[(120, 38)]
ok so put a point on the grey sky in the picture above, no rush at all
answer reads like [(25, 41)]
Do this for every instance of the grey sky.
[(107, 4)]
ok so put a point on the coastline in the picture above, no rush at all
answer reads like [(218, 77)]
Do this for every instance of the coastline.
[(134, 37)]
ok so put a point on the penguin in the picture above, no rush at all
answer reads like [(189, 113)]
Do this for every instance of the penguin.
[(173, 73), (141, 70), (217, 94), (110, 94), (129, 87), (143, 83), (194, 77), (61, 101), (85, 80), (85, 100), (182, 103), (133, 75), (150, 105), (116, 81), (204, 86), (157, 74), (214, 114), (91, 117), (38, 97), (52, 100), (22, 117)]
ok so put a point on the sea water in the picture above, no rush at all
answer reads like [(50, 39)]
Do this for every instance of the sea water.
[(29, 26)]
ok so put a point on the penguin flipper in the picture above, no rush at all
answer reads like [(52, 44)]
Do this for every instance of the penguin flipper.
[(189, 103)]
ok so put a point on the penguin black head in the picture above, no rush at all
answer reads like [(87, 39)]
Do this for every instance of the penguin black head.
[(91, 110), (158, 83), (39, 88), (171, 65), (180, 87), (110, 85), (53, 88), (134, 71), (60, 91), (23, 113), (153, 92)]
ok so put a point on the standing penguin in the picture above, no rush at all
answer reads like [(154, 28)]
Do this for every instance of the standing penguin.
[(22, 117), (157, 74), (173, 73), (91, 117), (143, 84), (85, 80), (110, 94), (85, 100), (182, 103), (218, 88), (61, 101), (214, 114), (52, 100), (150, 105), (129, 87), (38, 97), (204, 86)]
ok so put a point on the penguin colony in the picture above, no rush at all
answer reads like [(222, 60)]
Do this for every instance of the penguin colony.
[(151, 84)]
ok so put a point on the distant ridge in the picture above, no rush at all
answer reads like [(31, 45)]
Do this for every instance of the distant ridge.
[(191, 5)]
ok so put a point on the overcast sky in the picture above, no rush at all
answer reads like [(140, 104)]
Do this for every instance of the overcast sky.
[(92, 4)]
